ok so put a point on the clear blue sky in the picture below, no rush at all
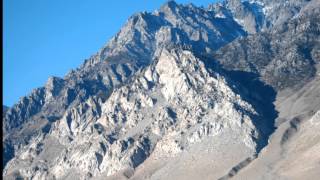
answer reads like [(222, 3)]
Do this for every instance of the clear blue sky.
[(45, 38)]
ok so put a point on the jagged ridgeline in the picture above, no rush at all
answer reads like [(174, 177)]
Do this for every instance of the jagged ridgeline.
[(184, 87)]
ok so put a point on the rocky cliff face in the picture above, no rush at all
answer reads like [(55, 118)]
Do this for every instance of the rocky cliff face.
[(172, 104), (170, 81), (283, 57)]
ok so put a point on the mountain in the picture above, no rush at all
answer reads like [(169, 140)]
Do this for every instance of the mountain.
[(283, 57), (184, 92), (4, 109)]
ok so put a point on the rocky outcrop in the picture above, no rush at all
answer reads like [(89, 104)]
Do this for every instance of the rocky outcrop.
[(172, 104), (284, 57)]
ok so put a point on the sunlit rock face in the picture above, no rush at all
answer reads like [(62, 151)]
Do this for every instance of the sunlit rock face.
[(184, 87), (171, 105)]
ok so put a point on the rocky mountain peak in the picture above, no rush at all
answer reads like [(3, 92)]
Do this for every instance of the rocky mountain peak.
[(54, 85), (170, 5), (173, 87)]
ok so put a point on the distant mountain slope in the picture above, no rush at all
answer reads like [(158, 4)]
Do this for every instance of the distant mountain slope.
[(4, 109), (284, 56), (183, 88)]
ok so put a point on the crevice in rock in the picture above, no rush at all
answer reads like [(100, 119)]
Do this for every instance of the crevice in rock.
[(238, 167)]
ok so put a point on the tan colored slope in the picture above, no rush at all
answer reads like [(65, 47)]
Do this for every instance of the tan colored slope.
[(294, 148), (205, 161), (298, 158)]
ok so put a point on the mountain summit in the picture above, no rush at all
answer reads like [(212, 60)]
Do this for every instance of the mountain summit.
[(183, 92)]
